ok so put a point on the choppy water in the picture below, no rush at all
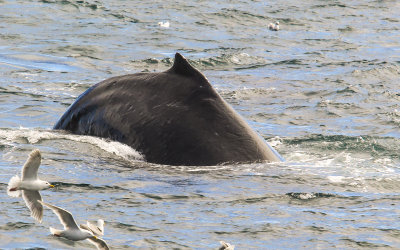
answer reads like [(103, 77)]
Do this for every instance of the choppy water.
[(324, 91)]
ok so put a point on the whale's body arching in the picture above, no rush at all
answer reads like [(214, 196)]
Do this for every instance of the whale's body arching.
[(173, 117)]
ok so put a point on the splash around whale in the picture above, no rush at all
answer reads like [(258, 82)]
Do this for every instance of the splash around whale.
[(174, 118)]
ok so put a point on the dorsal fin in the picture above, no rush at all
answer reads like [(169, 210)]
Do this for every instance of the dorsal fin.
[(182, 67)]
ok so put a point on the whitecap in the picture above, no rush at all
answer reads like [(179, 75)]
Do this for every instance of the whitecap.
[(274, 142), (35, 136), (336, 178)]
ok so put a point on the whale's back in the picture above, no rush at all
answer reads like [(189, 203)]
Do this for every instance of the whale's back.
[(173, 117)]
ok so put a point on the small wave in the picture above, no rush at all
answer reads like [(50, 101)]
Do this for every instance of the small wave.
[(234, 17), (42, 62), (290, 62), (372, 144), (236, 61), (11, 136), (359, 163), (361, 155), (76, 4), (309, 196), (95, 6), (327, 5), (12, 226), (393, 117), (172, 197), (364, 244), (231, 12), (275, 141), (87, 187), (336, 179), (348, 90), (246, 93), (133, 228), (347, 28), (252, 200), (381, 71)]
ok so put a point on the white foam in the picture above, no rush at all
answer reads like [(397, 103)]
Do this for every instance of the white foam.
[(336, 179), (238, 58), (300, 157), (275, 141), (385, 161), (34, 136), (306, 196)]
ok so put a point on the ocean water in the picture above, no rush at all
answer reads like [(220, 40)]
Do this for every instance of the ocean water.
[(323, 91)]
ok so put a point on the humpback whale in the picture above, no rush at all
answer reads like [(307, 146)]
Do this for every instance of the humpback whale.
[(173, 117)]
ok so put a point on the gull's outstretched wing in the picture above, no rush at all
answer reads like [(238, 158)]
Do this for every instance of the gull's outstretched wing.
[(32, 199), (64, 216), (226, 246), (97, 230), (100, 226), (31, 166), (99, 243)]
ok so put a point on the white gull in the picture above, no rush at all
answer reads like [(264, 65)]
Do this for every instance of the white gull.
[(29, 185), (164, 24), (71, 230), (274, 26), (226, 246)]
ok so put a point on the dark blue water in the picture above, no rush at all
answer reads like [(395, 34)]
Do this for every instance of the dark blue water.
[(323, 91)]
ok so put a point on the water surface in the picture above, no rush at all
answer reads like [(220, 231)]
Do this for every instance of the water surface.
[(323, 91)]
